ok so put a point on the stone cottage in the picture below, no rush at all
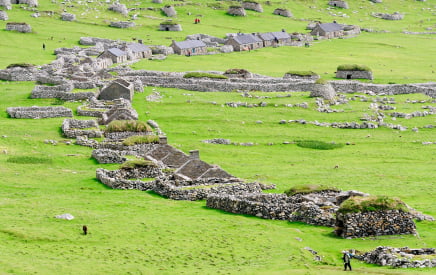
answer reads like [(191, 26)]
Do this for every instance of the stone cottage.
[(118, 88), (274, 39), (19, 27), (115, 54), (189, 47), (245, 42), (328, 30), (340, 4), (252, 5), (138, 51)]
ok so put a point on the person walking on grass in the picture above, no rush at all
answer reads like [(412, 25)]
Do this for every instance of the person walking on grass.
[(347, 260)]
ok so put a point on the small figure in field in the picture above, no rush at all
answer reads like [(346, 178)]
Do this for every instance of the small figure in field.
[(196, 21), (347, 260), (43, 46), (85, 230)]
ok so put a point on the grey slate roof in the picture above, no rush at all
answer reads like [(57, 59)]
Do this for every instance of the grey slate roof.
[(137, 47), (189, 44), (246, 39), (331, 27), (116, 52), (272, 35)]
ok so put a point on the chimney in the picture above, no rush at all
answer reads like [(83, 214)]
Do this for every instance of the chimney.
[(194, 154), (140, 41), (163, 140)]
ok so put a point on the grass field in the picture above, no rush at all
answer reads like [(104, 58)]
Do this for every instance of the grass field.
[(133, 232)]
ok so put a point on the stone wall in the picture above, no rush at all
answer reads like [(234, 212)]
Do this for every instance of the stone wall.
[(19, 74), (374, 223), (122, 24), (268, 84), (170, 27), (72, 128), (39, 112), (128, 178)]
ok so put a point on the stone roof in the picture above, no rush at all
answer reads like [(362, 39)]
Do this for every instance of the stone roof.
[(246, 39), (331, 27), (272, 35), (116, 52), (138, 47), (188, 44)]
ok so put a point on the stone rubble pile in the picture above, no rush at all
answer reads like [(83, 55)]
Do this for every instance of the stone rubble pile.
[(404, 257)]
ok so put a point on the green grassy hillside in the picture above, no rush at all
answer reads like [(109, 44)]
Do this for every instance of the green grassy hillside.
[(133, 232)]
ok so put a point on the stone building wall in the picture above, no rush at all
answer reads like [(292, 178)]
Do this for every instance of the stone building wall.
[(375, 223), (283, 12), (404, 257), (39, 112), (340, 4)]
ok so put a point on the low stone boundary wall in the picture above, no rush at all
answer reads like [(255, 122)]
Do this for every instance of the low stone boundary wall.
[(110, 179), (272, 206), (39, 112), (268, 84), (73, 128), (61, 92), (203, 189), (374, 223), (400, 257), (124, 135)]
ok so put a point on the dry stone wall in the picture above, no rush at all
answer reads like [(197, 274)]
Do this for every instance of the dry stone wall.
[(72, 128), (39, 112)]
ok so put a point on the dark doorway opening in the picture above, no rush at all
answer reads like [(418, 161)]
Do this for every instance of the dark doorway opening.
[(348, 76)]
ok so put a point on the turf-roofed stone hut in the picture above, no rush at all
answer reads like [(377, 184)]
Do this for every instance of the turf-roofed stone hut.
[(19, 27), (282, 12), (252, 5), (373, 216), (6, 4), (169, 11), (245, 42), (328, 30), (353, 71), (189, 47), (275, 39), (339, 4), (170, 26), (236, 11)]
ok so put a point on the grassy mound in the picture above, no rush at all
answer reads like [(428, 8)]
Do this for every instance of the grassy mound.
[(29, 160), (353, 67), (128, 126), (199, 75), (316, 144), (302, 73), (131, 164), (308, 188), (372, 203), (132, 140), (321, 81)]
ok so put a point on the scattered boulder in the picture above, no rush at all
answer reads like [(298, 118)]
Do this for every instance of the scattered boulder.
[(65, 216), (122, 24), (3, 16), (387, 16), (6, 4), (19, 27)]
